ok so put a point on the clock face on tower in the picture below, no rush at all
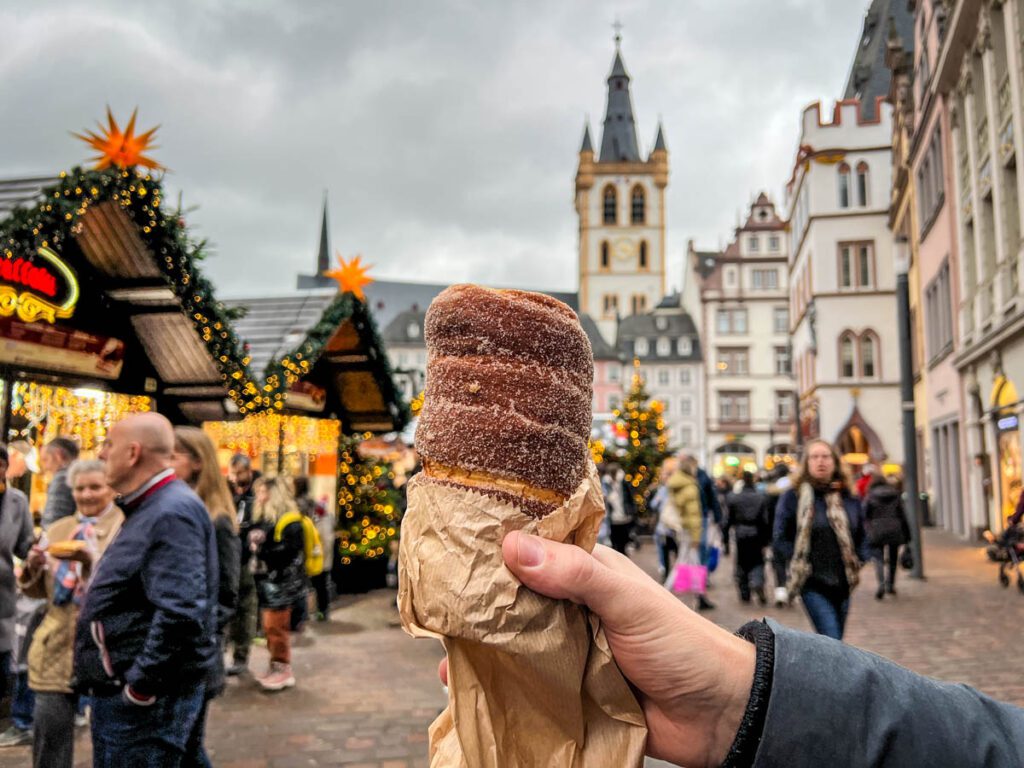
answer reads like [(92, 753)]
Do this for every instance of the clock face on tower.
[(624, 249)]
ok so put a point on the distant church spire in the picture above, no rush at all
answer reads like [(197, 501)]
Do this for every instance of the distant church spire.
[(323, 259), (618, 139), (587, 145)]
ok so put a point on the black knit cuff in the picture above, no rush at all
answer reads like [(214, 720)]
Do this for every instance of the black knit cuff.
[(748, 737)]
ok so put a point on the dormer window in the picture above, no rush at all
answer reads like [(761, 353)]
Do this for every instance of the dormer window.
[(660, 323), (685, 346), (641, 347), (413, 330), (664, 347)]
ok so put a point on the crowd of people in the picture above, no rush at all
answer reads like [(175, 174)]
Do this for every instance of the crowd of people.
[(812, 526), (148, 566)]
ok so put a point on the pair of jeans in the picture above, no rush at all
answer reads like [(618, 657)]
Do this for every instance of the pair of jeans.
[(827, 612), (156, 736), (276, 626), (243, 623), (323, 595), (668, 549), (53, 737), (23, 704), (878, 554)]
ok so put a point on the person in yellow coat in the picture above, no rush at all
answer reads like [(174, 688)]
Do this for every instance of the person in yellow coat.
[(685, 494)]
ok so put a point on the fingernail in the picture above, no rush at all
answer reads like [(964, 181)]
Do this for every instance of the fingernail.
[(531, 551)]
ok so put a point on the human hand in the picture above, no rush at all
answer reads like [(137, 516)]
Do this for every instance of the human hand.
[(36, 559), (692, 678), (256, 537)]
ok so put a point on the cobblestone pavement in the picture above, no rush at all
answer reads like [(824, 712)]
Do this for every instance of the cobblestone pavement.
[(366, 692)]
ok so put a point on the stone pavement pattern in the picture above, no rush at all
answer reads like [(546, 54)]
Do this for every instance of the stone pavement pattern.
[(367, 693)]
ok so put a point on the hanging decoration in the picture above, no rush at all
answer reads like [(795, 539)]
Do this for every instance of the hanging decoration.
[(351, 276), (121, 149)]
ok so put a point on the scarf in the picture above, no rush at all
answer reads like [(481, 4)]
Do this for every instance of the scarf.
[(68, 584), (800, 567)]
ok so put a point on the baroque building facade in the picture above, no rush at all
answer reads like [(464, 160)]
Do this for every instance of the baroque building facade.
[(748, 377)]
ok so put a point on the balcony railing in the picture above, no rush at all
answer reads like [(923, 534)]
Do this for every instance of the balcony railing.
[(982, 135)]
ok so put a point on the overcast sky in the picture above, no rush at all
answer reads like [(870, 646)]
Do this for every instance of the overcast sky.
[(446, 133)]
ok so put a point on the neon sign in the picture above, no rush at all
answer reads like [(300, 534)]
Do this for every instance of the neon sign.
[(37, 290)]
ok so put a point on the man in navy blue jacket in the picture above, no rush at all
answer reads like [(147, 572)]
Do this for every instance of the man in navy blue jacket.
[(145, 641)]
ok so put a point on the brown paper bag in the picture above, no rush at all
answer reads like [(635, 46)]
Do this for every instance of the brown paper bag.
[(532, 682)]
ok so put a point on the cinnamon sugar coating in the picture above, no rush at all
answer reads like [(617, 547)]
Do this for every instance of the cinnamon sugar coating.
[(509, 388)]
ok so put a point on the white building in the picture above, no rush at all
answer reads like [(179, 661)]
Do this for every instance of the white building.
[(842, 283), (667, 345), (748, 382)]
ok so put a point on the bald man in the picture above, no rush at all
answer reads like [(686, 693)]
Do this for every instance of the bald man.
[(145, 641)]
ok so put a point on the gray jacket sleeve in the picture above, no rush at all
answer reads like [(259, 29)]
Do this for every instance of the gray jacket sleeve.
[(832, 704)]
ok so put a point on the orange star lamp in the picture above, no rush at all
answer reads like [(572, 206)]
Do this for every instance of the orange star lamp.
[(351, 276), (123, 149)]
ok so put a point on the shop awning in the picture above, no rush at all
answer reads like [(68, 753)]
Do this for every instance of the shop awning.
[(345, 373)]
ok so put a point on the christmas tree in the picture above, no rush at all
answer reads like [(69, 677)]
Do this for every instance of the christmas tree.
[(641, 421), (369, 505)]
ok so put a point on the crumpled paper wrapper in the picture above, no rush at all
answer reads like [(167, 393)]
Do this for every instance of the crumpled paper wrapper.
[(532, 681)]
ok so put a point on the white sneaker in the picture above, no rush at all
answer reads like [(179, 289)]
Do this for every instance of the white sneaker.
[(781, 596)]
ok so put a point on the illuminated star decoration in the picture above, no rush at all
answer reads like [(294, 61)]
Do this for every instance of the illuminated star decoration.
[(351, 276), (123, 149)]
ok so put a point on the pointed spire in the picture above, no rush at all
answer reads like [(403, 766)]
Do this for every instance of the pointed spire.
[(323, 259), (659, 141), (618, 139), (587, 146)]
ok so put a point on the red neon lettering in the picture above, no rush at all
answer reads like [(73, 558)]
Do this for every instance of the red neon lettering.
[(29, 275)]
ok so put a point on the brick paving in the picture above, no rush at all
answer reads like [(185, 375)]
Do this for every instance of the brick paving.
[(366, 692)]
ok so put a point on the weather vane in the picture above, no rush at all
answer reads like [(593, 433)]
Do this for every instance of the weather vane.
[(617, 26)]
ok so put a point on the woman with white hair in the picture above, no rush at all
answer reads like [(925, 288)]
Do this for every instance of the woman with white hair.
[(60, 574)]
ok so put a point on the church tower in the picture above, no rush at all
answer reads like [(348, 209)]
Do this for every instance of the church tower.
[(620, 201)]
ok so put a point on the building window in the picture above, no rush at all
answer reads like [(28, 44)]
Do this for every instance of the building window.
[(684, 377), (844, 185), (783, 407), (639, 303), (685, 346), (637, 208), (686, 436), (611, 205), (780, 319), (643, 254), (730, 277), (685, 406), (783, 366), (613, 403), (730, 321), (613, 373), (862, 184), (847, 356), (611, 304), (734, 407), (664, 404), (605, 257), (733, 361), (938, 315), (764, 279), (868, 355), (754, 244), (663, 377), (773, 243), (401, 359), (664, 348), (930, 182), (641, 347), (857, 265)]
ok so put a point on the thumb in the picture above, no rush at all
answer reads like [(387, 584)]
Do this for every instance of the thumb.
[(567, 572)]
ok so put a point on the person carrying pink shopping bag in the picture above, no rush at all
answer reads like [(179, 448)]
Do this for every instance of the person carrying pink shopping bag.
[(685, 497)]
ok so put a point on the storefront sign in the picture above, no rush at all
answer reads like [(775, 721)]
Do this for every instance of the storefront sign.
[(42, 289), (64, 350)]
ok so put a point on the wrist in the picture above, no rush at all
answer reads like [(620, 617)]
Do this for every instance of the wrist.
[(738, 661)]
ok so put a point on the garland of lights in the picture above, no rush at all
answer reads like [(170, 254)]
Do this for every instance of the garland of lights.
[(369, 515), (139, 195)]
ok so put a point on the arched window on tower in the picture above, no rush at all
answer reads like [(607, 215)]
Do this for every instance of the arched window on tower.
[(611, 205), (643, 254), (868, 355), (605, 257), (844, 185), (862, 184), (847, 356), (638, 209)]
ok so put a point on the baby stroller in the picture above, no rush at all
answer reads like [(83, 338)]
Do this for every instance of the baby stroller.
[(1008, 551)]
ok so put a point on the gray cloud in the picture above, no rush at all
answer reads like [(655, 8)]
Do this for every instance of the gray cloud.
[(445, 132)]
